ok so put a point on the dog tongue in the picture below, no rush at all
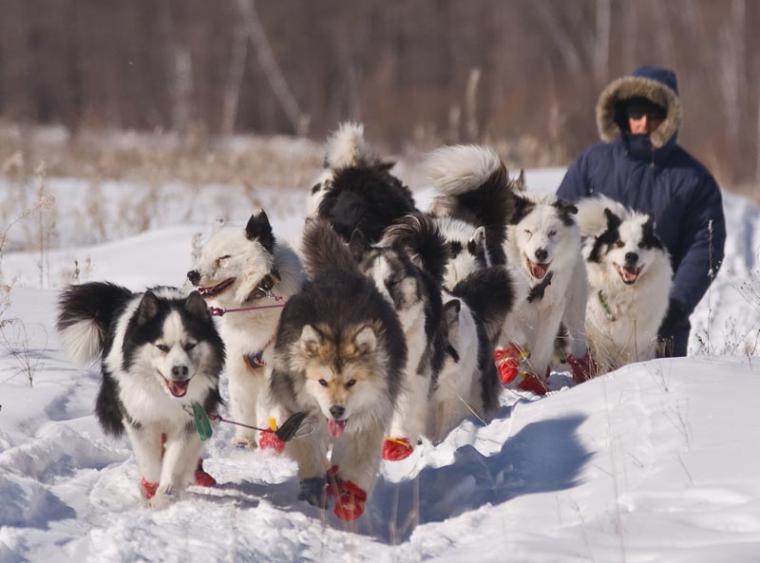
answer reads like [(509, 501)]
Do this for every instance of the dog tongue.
[(336, 427), (629, 274), (177, 388), (538, 271)]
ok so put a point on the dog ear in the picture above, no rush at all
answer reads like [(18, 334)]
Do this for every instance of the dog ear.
[(358, 245), (566, 209), (522, 206), (518, 184), (613, 221), (258, 228), (386, 166), (365, 340), (311, 340), (196, 306), (649, 236), (451, 312), (148, 308)]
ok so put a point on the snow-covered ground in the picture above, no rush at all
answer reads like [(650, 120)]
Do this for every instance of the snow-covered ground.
[(655, 462)]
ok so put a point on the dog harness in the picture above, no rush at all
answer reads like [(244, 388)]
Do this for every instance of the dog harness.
[(255, 361), (606, 306)]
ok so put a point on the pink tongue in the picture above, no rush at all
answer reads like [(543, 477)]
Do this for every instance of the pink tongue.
[(629, 275), (336, 427), (537, 270), (178, 388)]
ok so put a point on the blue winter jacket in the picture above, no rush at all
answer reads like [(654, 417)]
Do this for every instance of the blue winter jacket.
[(652, 174)]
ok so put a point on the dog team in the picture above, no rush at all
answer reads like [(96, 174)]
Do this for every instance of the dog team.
[(389, 324)]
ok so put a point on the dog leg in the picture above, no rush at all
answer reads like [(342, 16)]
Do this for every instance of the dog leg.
[(146, 444), (245, 387), (409, 419), (183, 448), (574, 316)]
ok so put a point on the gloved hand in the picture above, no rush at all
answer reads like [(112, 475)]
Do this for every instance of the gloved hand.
[(676, 315)]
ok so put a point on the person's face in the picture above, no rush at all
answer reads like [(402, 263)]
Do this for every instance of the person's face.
[(643, 118), (644, 124)]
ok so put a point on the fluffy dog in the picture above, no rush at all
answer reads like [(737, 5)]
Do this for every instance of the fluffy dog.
[(537, 239), (357, 191), (339, 357), (407, 266), (630, 278), (249, 274), (160, 355)]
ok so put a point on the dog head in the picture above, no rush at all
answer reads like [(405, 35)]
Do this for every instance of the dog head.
[(237, 265), (541, 230), (394, 274), (627, 247), (175, 340), (340, 368)]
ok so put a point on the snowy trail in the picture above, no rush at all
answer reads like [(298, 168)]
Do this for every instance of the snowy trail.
[(655, 462)]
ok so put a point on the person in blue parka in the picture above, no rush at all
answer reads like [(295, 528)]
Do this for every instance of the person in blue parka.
[(640, 164)]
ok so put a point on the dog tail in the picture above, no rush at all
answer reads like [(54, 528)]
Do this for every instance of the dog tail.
[(422, 238), (591, 217), (346, 147), (324, 250), (85, 313), (472, 184), (491, 295)]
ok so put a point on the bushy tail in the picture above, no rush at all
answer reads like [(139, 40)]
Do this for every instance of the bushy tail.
[(591, 218), (324, 250), (472, 184), (420, 236), (491, 295), (85, 313), (346, 147)]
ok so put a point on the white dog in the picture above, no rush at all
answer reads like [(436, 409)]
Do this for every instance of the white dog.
[(248, 275), (630, 278)]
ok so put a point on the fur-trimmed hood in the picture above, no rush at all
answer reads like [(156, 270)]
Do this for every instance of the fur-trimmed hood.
[(656, 84)]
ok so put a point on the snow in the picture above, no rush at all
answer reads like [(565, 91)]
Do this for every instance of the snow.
[(654, 462)]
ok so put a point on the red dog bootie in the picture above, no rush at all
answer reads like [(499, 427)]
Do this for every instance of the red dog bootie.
[(531, 382), (349, 497), (269, 440), (396, 449), (148, 488), (203, 479), (507, 362), (583, 368)]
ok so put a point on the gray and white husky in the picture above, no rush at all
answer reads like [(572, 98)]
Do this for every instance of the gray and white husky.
[(160, 355), (247, 274)]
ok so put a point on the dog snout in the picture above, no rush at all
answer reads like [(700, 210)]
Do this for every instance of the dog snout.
[(631, 257), (194, 276), (337, 411), (541, 254), (179, 372)]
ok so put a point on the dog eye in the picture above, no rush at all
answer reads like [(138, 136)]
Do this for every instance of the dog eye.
[(259, 293), (552, 234), (219, 260), (350, 383), (163, 347), (527, 232), (619, 244), (323, 383), (266, 283), (189, 346)]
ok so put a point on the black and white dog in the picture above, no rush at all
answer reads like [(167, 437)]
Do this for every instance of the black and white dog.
[(536, 238), (630, 278), (160, 355)]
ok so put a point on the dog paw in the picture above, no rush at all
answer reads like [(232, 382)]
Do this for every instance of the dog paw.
[(203, 479), (349, 502), (313, 491), (396, 449), (164, 497), (507, 362), (531, 382), (244, 442), (583, 368)]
